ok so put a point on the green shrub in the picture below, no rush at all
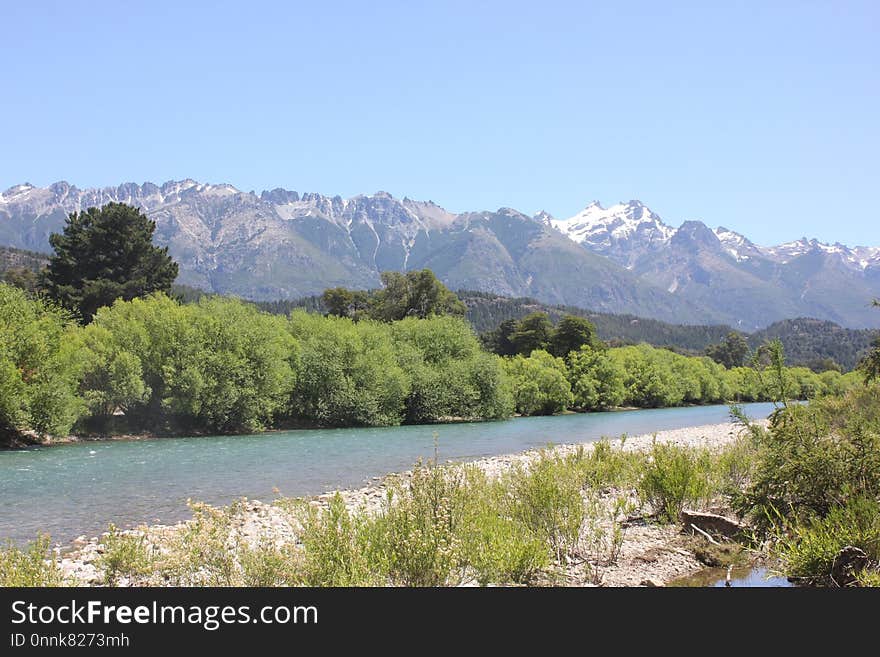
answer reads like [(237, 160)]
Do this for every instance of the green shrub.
[(815, 457), (125, 556), (267, 564), (203, 552), (334, 547), (674, 476), (500, 549), (597, 381), (33, 566), (450, 375), (539, 383), (416, 539), (546, 498), (39, 366), (604, 467), (603, 533), (734, 466), (812, 549), (217, 365)]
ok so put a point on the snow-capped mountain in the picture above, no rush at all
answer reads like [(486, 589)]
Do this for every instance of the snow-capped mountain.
[(627, 231), (282, 244), (624, 258), (722, 269), (624, 232)]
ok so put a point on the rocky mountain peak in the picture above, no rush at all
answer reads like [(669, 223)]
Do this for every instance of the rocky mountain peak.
[(697, 234)]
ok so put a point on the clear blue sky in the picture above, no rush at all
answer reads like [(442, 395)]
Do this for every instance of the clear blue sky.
[(760, 116)]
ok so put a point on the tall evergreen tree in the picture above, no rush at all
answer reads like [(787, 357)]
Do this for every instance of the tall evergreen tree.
[(105, 254)]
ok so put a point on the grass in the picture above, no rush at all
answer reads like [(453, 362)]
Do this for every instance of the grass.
[(840, 549)]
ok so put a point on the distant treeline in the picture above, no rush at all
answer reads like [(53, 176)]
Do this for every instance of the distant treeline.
[(813, 343)]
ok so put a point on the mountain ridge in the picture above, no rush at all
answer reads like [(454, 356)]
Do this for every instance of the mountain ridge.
[(282, 244)]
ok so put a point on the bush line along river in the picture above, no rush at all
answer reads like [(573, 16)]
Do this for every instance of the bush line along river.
[(74, 489)]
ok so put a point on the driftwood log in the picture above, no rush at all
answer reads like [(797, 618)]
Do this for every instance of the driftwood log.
[(713, 526)]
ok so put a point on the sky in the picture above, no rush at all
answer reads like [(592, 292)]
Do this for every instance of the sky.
[(758, 116)]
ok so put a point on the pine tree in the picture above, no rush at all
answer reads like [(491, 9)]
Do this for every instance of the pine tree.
[(105, 254)]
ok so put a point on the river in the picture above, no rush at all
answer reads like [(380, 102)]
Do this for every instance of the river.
[(78, 488)]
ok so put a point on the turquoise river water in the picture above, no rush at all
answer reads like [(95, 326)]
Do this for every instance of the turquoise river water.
[(74, 489)]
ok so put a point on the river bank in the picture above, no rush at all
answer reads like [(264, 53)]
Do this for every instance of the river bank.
[(650, 554), (18, 440)]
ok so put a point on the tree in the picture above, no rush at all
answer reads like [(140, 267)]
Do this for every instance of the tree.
[(572, 333), (597, 381), (414, 294), (498, 341), (870, 365), (39, 366), (539, 384), (22, 278), (105, 254), (532, 332), (730, 352)]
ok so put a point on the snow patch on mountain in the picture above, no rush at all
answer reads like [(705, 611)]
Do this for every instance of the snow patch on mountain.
[(599, 226)]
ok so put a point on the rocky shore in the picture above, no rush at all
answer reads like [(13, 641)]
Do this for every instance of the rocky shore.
[(651, 554)]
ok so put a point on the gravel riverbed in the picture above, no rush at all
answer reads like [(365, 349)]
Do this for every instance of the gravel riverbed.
[(650, 555)]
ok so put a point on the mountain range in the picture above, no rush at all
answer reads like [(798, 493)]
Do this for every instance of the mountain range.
[(280, 244)]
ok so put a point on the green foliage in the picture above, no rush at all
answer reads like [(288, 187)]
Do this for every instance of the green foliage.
[(546, 498), (673, 477), (413, 294), (501, 549), (450, 375), (217, 365), (416, 539), (204, 552), (33, 566), (498, 340), (603, 467), (730, 352), (38, 366), (870, 364), (539, 383), (532, 332), (22, 278), (815, 550), (572, 333), (649, 378), (125, 555), (349, 374), (104, 254), (597, 380), (334, 541), (342, 302), (266, 564), (816, 457)]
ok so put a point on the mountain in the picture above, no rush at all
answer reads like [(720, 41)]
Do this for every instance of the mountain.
[(283, 245), (280, 244), (724, 273)]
